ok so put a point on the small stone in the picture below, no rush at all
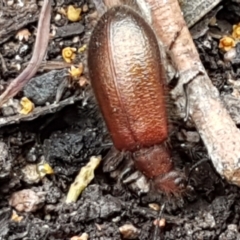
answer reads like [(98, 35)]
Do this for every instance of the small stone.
[(138, 183), (27, 200), (5, 161), (93, 15), (30, 174), (231, 233), (190, 136), (85, 8), (83, 81), (11, 107), (128, 231), (10, 2), (84, 236), (161, 223), (43, 88), (154, 206), (230, 55), (57, 17)]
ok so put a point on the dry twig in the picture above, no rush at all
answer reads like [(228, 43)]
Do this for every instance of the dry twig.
[(39, 52), (214, 124)]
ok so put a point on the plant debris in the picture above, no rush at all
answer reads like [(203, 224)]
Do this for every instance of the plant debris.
[(82, 180)]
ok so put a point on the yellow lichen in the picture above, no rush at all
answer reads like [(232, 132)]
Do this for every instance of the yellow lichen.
[(73, 14), (68, 54), (226, 43), (76, 72), (27, 106), (236, 31)]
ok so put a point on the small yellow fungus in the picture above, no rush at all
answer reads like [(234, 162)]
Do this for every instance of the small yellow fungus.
[(68, 54), (236, 31), (27, 106), (44, 169), (15, 217), (23, 34), (76, 72), (73, 14), (82, 48), (226, 43)]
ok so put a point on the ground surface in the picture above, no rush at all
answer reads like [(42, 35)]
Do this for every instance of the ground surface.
[(67, 135)]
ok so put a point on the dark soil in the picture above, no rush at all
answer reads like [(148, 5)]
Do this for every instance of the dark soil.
[(67, 134)]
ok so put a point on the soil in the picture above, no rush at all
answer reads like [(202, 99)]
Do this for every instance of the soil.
[(67, 134)]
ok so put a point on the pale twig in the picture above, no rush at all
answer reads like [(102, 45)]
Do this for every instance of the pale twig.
[(215, 126), (39, 52), (84, 177)]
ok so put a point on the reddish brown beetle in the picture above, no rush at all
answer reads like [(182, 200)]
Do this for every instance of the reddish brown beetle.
[(128, 82)]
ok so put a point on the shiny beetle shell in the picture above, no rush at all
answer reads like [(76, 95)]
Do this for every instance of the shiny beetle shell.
[(128, 79)]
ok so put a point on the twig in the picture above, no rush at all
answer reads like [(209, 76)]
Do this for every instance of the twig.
[(214, 124), (39, 52), (156, 233)]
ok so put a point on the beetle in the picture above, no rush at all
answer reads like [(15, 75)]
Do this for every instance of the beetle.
[(128, 80)]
